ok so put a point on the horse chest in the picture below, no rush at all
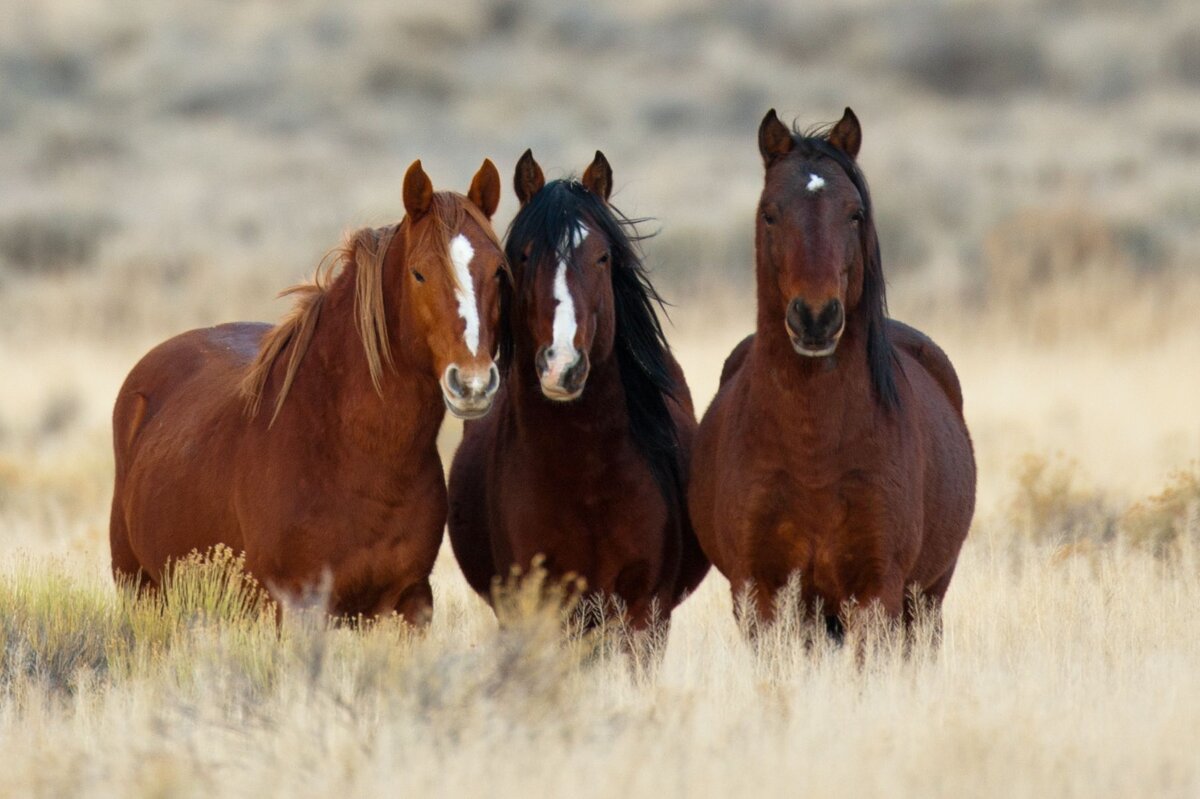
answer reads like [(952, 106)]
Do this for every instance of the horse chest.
[(585, 512), (833, 535)]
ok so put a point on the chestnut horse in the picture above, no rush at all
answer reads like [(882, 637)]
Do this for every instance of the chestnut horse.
[(340, 475), (835, 449), (584, 458)]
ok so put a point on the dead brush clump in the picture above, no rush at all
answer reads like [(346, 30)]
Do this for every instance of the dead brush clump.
[(1168, 522), (57, 630), (213, 588), (533, 654), (1051, 274), (524, 670), (54, 630), (52, 243), (1049, 506)]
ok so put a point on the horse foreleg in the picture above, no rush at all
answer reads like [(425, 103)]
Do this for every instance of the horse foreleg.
[(924, 607), (415, 604), (753, 606), (646, 640), (874, 616)]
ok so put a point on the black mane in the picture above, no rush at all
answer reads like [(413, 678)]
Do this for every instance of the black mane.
[(881, 357), (543, 226)]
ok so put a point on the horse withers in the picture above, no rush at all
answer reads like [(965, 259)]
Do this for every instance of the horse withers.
[(337, 479), (835, 451), (583, 460)]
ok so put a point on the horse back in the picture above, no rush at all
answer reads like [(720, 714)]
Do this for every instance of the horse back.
[(935, 403), (209, 360), (736, 358), (930, 356)]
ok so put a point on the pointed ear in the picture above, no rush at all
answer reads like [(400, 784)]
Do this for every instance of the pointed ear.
[(528, 179), (485, 188), (418, 191), (774, 138), (597, 178), (846, 135)]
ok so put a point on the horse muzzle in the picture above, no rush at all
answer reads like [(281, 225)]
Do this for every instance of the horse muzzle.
[(562, 376), (815, 334), (469, 394)]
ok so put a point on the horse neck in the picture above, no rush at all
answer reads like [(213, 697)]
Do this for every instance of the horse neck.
[(407, 408), (600, 413), (814, 392)]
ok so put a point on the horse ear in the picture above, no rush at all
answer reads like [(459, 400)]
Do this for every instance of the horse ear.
[(528, 179), (485, 188), (846, 135), (597, 178), (418, 191), (774, 138)]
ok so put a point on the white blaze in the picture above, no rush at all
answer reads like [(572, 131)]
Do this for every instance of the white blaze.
[(815, 182), (564, 310), (461, 253)]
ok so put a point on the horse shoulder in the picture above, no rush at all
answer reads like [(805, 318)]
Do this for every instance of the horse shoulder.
[(947, 496), (469, 488), (199, 369)]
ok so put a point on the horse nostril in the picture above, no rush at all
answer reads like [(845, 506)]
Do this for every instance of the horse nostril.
[(541, 361), (453, 382), (799, 318), (818, 327), (830, 320), (575, 375), (493, 381)]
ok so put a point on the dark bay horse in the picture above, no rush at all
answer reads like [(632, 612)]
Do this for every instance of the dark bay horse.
[(584, 458), (835, 449), (339, 474)]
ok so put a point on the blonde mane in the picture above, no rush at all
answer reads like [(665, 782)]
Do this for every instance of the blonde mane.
[(366, 249)]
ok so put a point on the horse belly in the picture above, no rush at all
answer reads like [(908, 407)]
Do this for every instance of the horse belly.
[(949, 484)]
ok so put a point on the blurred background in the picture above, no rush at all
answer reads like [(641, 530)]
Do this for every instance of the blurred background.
[(1035, 168)]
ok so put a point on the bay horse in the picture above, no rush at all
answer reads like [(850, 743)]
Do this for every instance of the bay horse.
[(339, 479), (583, 460), (835, 449)]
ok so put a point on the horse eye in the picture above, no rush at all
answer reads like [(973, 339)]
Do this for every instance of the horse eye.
[(499, 272), (858, 216), (420, 278), (603, 259), (768, 217)]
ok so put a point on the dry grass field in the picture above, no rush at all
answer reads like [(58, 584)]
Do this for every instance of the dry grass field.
[(1036, 169)]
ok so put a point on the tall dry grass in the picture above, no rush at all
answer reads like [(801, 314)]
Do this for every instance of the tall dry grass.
[(1056, 677)]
